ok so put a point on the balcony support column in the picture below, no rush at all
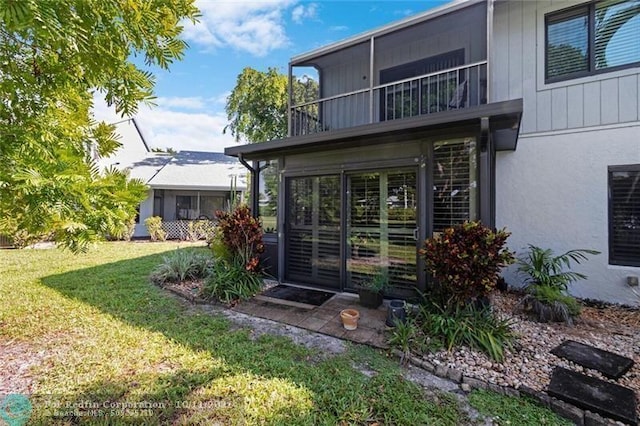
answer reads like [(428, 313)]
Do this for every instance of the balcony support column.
[(372, 48), (290, 102)]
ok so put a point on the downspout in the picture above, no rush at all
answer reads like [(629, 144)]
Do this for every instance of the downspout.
[(253, 200)]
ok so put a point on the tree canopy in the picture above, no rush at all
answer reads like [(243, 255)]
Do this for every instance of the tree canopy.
[(54, 56), (257, 106)]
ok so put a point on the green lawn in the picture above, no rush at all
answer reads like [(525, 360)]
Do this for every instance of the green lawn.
[(105, 339)]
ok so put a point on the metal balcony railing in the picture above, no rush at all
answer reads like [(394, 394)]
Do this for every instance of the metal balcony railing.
[(450, 89)]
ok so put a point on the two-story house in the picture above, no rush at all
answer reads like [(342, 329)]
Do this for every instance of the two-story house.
[(521, 114)]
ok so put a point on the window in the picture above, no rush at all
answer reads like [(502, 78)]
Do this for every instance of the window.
[(624, 215), (593, 38), (268, 182), (455, 177), (186, 207)]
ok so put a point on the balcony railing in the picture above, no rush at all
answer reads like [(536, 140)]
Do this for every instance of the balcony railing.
[(450, 89)]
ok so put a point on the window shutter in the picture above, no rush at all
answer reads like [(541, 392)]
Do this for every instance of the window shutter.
[(617, 38), (454, 181), (624, 187)]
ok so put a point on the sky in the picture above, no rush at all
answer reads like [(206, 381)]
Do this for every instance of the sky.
[(231, 35)]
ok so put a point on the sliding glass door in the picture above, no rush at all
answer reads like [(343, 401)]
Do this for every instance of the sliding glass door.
[(382, 227), (312, 248)]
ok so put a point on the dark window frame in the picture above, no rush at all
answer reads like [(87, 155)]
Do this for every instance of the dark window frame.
[(590, 10), (612, 169)]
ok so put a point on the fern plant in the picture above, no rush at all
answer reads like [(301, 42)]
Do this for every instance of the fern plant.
[(547, 277)]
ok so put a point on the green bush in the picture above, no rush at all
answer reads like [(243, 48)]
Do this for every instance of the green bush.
[(465, 262), (241, 233), (232, 281), (477, 328), (182, 265), (154, 227)]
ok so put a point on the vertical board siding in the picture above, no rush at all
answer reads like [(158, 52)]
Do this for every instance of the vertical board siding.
[(528, 65), (609, 101), (592, 104), (559, 108), (543, 111), (628, 98), (518, 43), (515, 49), (500, 65), (575, 111)]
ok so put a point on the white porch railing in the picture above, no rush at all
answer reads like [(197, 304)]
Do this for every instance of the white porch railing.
[(453, 88), (188, 230)]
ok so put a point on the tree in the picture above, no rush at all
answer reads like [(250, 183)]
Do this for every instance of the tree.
[(54, 55), (257, 106)]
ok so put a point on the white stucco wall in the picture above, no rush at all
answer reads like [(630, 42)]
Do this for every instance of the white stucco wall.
[(146, 210), (552, 192)]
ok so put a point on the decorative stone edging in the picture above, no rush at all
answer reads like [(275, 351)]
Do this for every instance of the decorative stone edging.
[(186, 295), (577, 415)]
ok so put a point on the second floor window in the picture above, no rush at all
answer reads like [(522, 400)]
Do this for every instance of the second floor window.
[(593, 38)]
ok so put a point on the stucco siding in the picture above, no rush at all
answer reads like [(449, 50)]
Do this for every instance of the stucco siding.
[(146, 210), (553, 192)]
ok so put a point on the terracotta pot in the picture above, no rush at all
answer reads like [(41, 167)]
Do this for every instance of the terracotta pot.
[(350, 318)]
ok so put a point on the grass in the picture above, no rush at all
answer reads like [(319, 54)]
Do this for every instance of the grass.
[(103, 340), (506, 410)]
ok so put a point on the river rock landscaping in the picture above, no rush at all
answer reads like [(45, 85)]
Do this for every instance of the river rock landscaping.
[(529, 363)]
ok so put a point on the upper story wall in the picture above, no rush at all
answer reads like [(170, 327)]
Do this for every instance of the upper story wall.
[(348, 70), (518, 71)]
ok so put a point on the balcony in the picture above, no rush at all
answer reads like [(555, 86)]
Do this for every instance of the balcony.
[(450, 89)]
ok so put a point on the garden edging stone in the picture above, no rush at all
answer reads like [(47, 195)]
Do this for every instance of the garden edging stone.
[(577, 415)]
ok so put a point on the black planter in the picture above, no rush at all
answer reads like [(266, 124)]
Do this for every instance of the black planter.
[(396, 312), (369, 298)]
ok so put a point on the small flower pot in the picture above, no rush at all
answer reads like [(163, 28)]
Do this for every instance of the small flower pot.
[(350, 318)]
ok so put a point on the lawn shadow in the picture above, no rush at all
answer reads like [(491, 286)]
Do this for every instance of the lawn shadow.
[(122, 290)]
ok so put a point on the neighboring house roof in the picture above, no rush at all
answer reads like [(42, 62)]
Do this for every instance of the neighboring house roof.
[(187, 170), (200, 170)]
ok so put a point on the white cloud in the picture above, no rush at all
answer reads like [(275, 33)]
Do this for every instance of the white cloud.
[(302, 12), (256, 27), (194, 102), (338, 28), (199, 129), (403, 12)]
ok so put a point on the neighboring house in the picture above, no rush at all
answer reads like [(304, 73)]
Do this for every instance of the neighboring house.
[(521, 114), (183, 187)]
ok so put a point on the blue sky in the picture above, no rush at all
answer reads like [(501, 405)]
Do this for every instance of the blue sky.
[(232, 35)]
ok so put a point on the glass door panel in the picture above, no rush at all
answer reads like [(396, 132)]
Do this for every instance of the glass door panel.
[(313, 230), (381, 224)]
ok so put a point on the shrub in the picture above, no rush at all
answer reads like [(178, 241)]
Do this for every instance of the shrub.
[(232, 281), (154, 227), (465, 262), (199, 229), (477, 328), (242, 235), (182, 265), (546, 282)]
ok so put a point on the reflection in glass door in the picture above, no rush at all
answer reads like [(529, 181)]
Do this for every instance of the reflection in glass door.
[(381, 227), (313, 230)]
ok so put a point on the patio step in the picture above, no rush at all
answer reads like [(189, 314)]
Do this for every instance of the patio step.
[(596, 395), (608, 363)]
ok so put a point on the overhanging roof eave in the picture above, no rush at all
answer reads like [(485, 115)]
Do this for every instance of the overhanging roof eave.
[(502, 115)]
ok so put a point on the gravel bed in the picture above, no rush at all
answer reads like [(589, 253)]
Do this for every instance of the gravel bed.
[(615, 329)]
